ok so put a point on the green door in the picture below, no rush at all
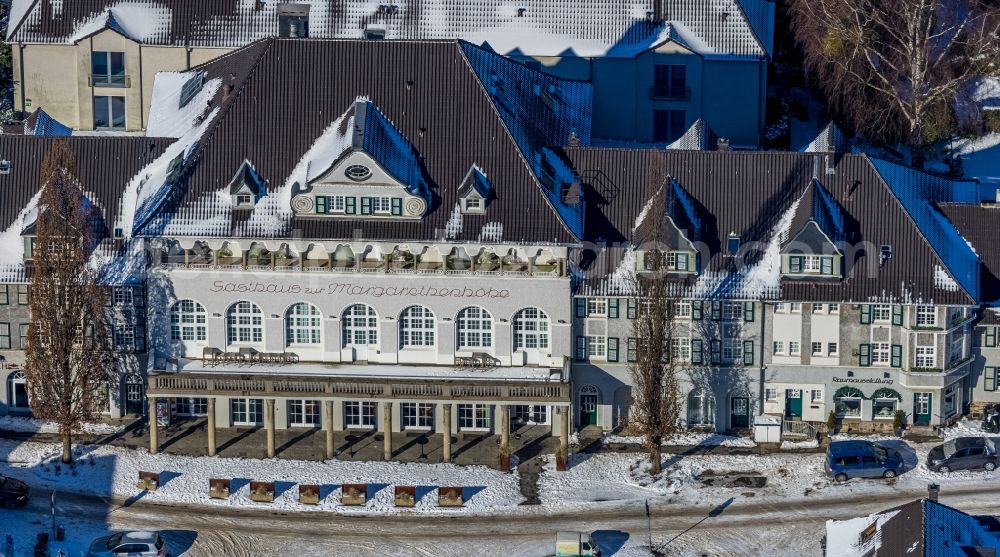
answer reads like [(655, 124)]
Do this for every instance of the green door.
[(922, 408), (793, 403), (739, 412), (588, 410), (134, 403)]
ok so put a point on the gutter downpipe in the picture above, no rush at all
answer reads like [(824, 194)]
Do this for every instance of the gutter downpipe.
[(763, 366)]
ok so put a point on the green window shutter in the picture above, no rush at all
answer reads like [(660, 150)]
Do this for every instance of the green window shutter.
[(896, 357), (716, 348), (613, 308), (682, 262), (865, 355), (716, 310), (826, 265), (4, 336), (897, 315), (748, 352), (612, 349), (991, 337), (748, 311), (697, 309), (581, 307), (866, 314), (366, 205), (795, 264), (581, 348), (321, 204), (632, 353), (697, 351), (397, 206), (630, 308), (990, 379), (350, 205)]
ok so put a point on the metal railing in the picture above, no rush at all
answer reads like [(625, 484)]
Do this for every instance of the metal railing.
[(669, 92), (803, 430), (109, 80)]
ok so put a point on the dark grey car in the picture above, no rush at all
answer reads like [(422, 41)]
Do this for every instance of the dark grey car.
[(963, 453)]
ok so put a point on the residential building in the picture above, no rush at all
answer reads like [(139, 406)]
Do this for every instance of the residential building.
[(656, 66)]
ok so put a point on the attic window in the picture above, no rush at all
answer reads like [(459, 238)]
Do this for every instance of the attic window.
[(358, 172), (191, 89), (5, 166), (293, 20), (244, 199), (732, 244), (374, 33), (885, 253)]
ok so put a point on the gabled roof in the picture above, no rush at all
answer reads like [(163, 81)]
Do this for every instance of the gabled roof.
[(282, 105), (757, 195), (830, 139), (246, 177), (731, 28), (820, 208), (698, 137), (979, 226), (475, 180), (40, 123)]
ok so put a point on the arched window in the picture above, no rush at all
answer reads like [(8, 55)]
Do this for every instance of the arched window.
[(475, 328), (17, 391), (360, 326), (531, 329), (416, 327), (244, 323), (187, 321), (701, 409), (302, 324)]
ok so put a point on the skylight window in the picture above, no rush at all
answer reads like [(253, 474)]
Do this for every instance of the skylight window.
[(732, 244), (5, 166), (885, 253), (191, 89)]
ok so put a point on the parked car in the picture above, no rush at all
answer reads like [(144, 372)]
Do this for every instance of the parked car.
[(13, 492), (963, 453), (133, 544), (861, 459)]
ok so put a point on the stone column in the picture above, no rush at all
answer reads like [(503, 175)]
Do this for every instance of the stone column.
[(269, 425), (562, 458), (154, 434), (505, 437), (211, 426), (328, 425), (446, 447), (387, 431)]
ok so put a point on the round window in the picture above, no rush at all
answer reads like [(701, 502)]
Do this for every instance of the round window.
[(358, 172)]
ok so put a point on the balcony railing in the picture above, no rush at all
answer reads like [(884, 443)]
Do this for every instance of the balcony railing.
[(104, 80), (670, 93), (455, 267)]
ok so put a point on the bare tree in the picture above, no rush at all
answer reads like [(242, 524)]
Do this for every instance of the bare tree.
[(68, 359), (893, 68), (655, 407)]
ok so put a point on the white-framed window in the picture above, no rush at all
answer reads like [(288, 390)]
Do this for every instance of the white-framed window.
[(475, 328), (922, 403), (794, 348), (811, 264), (796, 307), (956, 350), (680, 349), (682, 309), (303, 324), (304, 413), (244, 323), (122, 295), (338, 204), (191, 406), (770, 393), (416, 415), (781, 307), (732, 350), (834, 308), (817, 308), (17, 391), (597, 307), (926, 316), (531, 329), (187, 321), (416, 327), (474, 417), (124, 335), (884, 408), (246, 411), (700, 408), (382, 205), (817, 348), (880, 353), (817, 396), (597, 347), (244, 199), (360, 326), (925, 356), (881, 312), (779, 347), (832, 349), (535, 414), (473, 203), (732, 311), (359, 414), (848, 406)]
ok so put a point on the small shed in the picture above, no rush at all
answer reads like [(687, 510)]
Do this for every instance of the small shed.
[(767, 428)]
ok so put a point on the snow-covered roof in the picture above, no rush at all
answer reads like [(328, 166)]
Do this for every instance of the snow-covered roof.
[(729, 28), (830, 139), (698, 137), (41, 124)]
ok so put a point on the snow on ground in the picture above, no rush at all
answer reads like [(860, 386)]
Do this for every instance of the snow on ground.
[(31, 425), (690, 438), (965, 428), (114, 471), (792, 445)]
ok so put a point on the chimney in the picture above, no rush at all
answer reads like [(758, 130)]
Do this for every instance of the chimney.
[(932, 492), (722, 144), (258, 5)]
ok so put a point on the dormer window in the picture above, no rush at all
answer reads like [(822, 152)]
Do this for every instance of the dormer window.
[(885, 253), (811, 264), (244, 200), (474, 192), (246, 187), (190, 89), (732, 244), (5, 166), (293, 20), (671, 261), (473, 204), (374, 33)]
